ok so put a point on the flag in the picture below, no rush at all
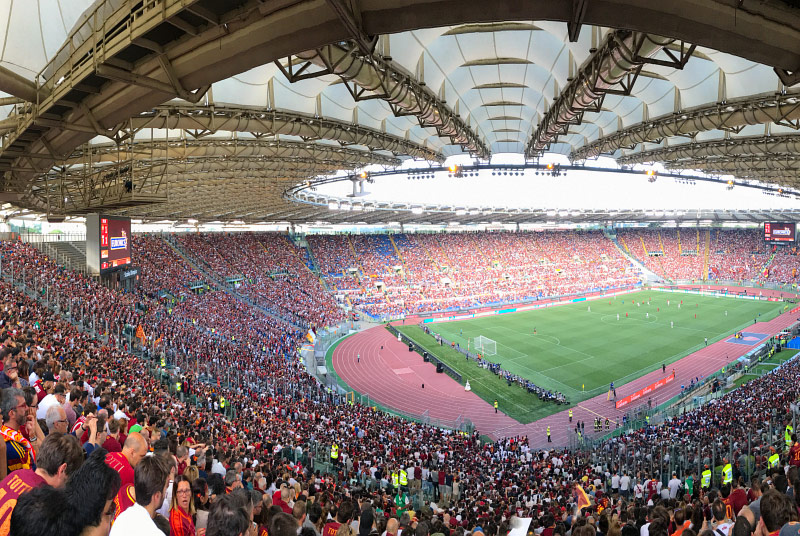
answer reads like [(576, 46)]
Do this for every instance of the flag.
[(158, 341), (140, 333), (311, 336), (581, 497)]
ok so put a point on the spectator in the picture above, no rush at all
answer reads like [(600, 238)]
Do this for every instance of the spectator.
[(90, 492), (150, 482), (59, 456), (56, 419), (229, 517), (776, 510), (182, 510), (57, 398), (20, 452)]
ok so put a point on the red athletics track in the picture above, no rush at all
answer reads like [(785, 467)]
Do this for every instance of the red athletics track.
[(394, 377)]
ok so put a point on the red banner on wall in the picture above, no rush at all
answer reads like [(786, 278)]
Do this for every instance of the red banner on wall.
[(645, 390)]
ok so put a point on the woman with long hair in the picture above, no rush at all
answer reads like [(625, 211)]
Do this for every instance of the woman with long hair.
[(182, 508)]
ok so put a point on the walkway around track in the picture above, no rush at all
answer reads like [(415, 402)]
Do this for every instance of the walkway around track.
[(394, 377)]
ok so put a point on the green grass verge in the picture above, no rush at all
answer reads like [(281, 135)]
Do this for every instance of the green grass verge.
[(743, 380), (584, 343)]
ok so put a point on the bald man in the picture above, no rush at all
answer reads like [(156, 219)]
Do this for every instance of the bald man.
[(133, 451), (391, 527)]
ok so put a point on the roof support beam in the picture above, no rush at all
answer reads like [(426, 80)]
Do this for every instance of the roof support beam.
[(352, 21), (730, 147), (266, 122), (18, 86), (735, 164), (372, 77), (732, 116), (574, 25), (611, 69)]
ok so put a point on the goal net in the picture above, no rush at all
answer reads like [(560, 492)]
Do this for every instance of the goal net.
[(485, 345)]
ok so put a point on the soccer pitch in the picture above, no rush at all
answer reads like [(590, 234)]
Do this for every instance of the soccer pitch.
[(586, 344)]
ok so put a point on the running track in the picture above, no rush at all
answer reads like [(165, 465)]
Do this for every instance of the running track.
[(395, 377)]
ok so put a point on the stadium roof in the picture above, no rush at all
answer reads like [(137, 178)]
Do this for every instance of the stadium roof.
[(174, 109)]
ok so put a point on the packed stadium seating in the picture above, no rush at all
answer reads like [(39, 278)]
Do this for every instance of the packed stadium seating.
[(428, 272), (733, 254), (247, 414), (267, 268)]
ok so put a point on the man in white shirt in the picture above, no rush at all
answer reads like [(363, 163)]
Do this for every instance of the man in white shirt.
[(57, 398), (150, 482), (625, 485), (615, 483), (674, 486)]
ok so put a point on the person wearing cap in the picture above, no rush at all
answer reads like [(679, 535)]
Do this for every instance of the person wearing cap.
[(45, 385), (727, 472), (57, 398), (705, 480)]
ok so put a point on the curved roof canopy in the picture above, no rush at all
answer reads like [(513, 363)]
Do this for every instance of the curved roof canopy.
[(144, 109)]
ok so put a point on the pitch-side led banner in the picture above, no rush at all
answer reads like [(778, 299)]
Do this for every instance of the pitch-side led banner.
[(644, 391)]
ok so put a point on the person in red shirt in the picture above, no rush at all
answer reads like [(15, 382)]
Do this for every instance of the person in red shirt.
[(59, 456), (112, 443), (343, 515), (180, 515), (794, 452), (652, 488), (133, 451), (737, 499), (282, 499)]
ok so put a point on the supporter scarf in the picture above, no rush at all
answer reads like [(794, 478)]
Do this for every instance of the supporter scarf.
[(14, 435)]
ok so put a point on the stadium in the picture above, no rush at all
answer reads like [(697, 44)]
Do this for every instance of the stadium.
[(441, 268)]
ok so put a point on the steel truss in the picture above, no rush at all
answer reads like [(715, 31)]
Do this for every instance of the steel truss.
[(611, 69), (729, 147), (200, 121), (111, 176), (731, 116), (369, 76)]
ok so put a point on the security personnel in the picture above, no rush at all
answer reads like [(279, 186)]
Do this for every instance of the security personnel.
[(608, 424), (774, 460), (705, 482), (495, 405), (395, 479), (570, 414), (787, 435), (222, 403), (163, 362), (403, 477), (334, 453), (727, 473), (548, 435), (647, 418)]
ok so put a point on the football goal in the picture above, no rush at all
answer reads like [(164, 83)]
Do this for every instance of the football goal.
[(485, 345)]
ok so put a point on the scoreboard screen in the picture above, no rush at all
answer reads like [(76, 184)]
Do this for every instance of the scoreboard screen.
[(779, 232), (108, 243), (115, 243)]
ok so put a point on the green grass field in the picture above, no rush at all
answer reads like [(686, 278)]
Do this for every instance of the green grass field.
[(584, 343)]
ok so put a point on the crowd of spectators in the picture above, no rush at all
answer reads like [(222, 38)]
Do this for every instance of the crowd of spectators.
[(733, 254), (267, 268), (156, 462), (458, 270)]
